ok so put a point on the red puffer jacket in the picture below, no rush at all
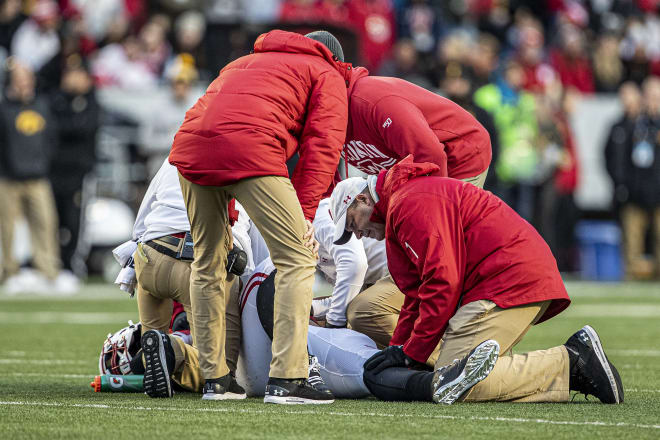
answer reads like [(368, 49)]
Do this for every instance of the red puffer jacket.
[(288, 96), (392, 118), (450, 243)]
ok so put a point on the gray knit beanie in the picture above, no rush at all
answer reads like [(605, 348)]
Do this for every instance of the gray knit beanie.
[(329, 41)]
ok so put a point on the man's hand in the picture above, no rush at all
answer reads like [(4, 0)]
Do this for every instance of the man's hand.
[(392, 356), (310, 241)]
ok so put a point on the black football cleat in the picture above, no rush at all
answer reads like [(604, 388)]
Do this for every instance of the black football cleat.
[(452, 381), (590, 370), (158, 364), (295, 392), (224, 388)]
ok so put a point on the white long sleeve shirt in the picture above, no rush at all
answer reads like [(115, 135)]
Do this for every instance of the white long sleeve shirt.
[(348, 266), (163, 212)]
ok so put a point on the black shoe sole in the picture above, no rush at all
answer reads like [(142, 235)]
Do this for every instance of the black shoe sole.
[(478, 366), (157, 381), (615, 384)]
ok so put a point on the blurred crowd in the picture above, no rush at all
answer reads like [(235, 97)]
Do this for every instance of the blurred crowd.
[(519, 66)]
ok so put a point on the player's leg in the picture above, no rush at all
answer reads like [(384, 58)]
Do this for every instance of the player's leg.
[(341, 354), (449, 383), (272, 204), (375, 311), (207, 213)]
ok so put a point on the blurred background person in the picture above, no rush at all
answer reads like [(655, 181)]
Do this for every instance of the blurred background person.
[(78, 117), (28, 136), (456, 84), (162, 118), (640, 178), (514, 112), (618, 139), (36, 40)]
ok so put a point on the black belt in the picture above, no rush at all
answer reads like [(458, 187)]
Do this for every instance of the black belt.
[(162, 249), (174, 241)]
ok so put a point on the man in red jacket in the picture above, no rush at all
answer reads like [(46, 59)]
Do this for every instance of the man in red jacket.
[(389, 119), (288, 96), (392, 118), (471, 270)]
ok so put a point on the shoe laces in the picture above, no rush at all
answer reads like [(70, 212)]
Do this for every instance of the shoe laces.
[(314, 366)]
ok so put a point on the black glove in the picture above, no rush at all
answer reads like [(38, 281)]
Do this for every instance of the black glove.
[(392, 356)]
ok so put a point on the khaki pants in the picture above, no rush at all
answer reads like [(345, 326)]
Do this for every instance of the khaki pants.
[(635, 222), (162, 279), (538, 376), (375, 311), (34, 200), (273, 206), (477, 180)]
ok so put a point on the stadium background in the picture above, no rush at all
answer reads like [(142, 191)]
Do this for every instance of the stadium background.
[(150, 60)]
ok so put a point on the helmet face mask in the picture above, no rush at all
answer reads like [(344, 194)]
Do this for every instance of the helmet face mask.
[(119, 349)]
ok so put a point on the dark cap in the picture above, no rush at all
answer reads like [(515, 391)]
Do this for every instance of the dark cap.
[(329, 41)]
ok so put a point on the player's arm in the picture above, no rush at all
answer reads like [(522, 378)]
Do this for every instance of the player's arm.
[(439, 256), (405, 130), (321, 141), (350, 261)]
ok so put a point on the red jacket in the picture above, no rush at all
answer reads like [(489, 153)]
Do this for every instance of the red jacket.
[(288, 96), (471, 247), (391, 118)]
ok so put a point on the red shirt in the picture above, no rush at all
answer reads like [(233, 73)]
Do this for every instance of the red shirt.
[(391, 118), (473, 247), (288, 96)]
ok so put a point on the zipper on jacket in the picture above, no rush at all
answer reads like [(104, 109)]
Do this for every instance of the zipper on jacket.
[(411, 249)]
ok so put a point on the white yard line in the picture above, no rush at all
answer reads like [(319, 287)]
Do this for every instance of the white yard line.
[(62, 376), (606, 310), (46, 361), (66, 317), (335, 413), (635, 352)]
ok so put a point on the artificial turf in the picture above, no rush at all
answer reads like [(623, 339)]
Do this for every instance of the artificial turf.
[(49, 351)]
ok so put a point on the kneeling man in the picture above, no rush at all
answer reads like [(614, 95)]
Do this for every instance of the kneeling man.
[(471, 270)]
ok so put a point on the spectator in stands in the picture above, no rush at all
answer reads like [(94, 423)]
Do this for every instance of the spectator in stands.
[(556, 213), (514, 113), (36, 41), (77, 113), (484, 59), (189, 30), (405, 64), (375, 25), (163, 117), (457, 86), (531, 55), (123, 65), (620, 135), (27, 138), (10, 20), (155, 47), (608, 67), (571, 60), (642, 180), (422, 22)]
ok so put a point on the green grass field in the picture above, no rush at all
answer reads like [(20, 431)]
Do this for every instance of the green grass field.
[(49, 351)]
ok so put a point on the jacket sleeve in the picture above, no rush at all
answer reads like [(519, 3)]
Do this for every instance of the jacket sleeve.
[(405, 131), (321, 140), (350, 261), (439, 256), (407, 317)]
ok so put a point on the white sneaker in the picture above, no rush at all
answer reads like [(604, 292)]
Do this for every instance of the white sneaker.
[(67, 283)]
